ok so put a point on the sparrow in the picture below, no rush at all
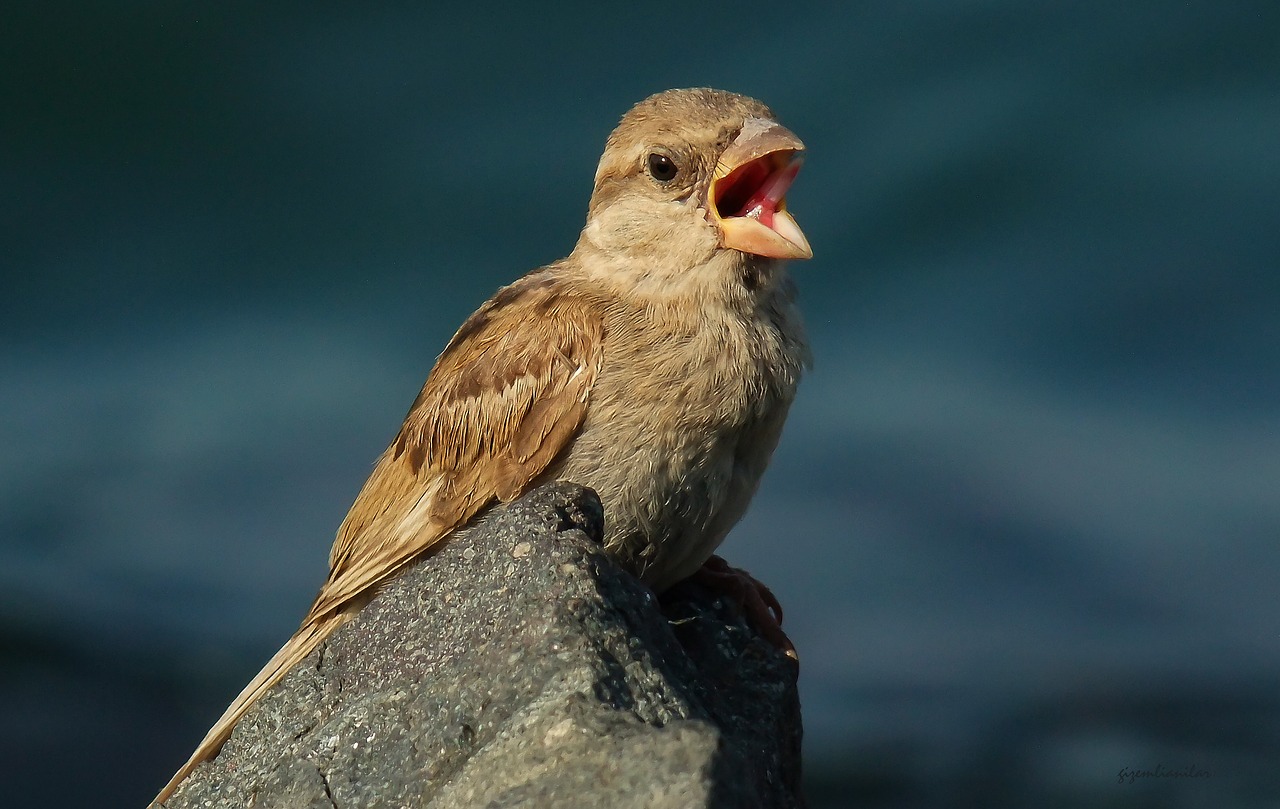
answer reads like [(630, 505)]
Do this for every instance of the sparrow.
[(655, 364)]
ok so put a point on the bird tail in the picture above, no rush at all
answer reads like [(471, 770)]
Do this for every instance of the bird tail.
[(303, 642)]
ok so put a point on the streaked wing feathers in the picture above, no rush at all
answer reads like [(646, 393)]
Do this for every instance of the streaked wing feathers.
[(505, 398)]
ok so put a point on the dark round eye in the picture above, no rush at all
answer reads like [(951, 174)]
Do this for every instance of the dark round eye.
[(662, 168)]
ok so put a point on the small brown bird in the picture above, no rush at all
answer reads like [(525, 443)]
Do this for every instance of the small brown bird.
[(655, 365)]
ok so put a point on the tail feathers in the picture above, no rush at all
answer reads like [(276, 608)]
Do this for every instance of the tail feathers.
[(304, 641)]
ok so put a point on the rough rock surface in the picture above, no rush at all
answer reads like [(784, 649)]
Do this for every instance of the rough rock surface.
[(518, 666)]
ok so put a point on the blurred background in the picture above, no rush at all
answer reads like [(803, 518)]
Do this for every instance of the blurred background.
[(1025, 518)]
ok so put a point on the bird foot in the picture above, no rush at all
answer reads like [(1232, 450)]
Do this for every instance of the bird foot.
[(758, 602)]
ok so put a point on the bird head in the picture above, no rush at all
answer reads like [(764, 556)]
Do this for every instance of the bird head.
[(696, 177)]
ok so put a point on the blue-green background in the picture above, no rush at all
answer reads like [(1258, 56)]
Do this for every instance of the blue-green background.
[(1025, 518)]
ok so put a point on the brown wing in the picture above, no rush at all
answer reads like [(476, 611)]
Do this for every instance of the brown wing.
[(504, 399)]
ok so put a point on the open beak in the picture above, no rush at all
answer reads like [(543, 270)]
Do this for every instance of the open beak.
[(747, 197)]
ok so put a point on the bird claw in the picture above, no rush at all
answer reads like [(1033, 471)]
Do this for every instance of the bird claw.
[(758, 602)]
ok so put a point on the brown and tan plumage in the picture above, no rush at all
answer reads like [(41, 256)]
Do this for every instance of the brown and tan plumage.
[(655, 364)]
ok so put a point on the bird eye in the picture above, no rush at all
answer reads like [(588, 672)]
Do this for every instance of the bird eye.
[(662, 168)]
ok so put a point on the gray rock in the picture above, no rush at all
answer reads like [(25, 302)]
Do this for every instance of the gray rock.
[(519, 666)]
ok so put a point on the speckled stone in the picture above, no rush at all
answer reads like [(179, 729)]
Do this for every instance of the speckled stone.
[(517, 665)]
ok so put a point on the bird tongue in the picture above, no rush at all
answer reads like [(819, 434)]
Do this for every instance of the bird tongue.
[(763, 204), (757, 190)]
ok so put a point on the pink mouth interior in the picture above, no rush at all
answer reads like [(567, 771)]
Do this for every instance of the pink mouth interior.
[(756, 189)]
